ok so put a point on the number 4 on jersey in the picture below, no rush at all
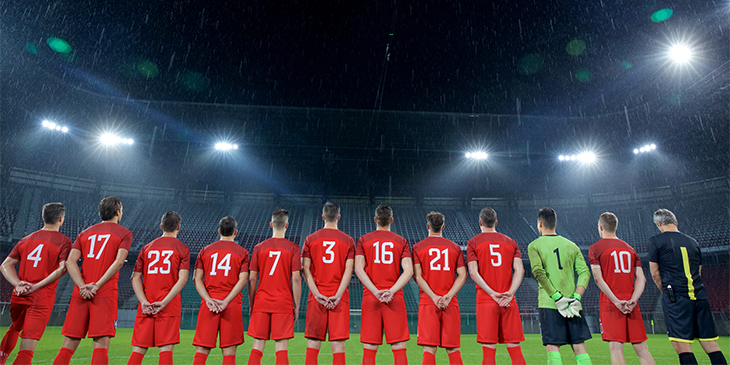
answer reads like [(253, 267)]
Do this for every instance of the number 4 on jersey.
[(35, 255)]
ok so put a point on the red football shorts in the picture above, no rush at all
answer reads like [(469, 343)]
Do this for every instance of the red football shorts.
[(153, 331), (30, 320), (499, 325), (438, 327), (320, 320), (271, 326), (620, 327), (229, 323), (96, 317), (378, 318)]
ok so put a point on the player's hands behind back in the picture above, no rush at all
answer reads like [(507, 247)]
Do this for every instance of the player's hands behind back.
[(213, 305), (564, 307), (23, 288)]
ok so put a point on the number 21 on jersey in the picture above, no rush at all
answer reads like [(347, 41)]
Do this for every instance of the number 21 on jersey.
[(437, 254)]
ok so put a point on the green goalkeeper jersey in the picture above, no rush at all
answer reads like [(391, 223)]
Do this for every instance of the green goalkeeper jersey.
[(555, 261)]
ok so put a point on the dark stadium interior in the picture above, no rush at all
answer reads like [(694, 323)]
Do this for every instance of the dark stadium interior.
[(365, 103)]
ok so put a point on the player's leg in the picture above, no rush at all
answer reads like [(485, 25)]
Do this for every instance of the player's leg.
[(488, 330), (710, 347), (10, 339), (166, 354), (429, 330), (315, 330), (338, 352), (229, 355), (25, 353), (371, 328), (429, 355), (257, 351), (338, 326), (259, 327), (642, 351), (679, 318), (137, 355), (395, 326), (282, 352), (617, 352), (578, 333), (515, 353), (511, 332), (201, 354), (707, 333), (451, 333), (282, 330), (143, 337), (368, 353), (553, 328), (399, 353), (100, 355), (75, 327), (231, 329), (166, 335), (313, 346), (454, 356)]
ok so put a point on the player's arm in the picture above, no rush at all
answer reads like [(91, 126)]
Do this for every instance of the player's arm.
[(639, 284), (479, 280), (242, 280), (363, 276), (424, 285), (306, 265), (517, 275), (458, 283), (598, 277), (8, 270), (112, 270), (72, 265), (203, 292), (182, 279), (406, 264), (538, 270), (584, 274), (655, 274), (55, 275), (253, 277), (296, 281), (138, 288), (346, 276)]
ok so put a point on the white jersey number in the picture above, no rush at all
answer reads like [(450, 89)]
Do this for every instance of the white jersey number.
[(382, 250), (94, 239), (35, 255), (224, 265), (166, 254), (329, 245), (498, 255), (621, 266), (276, 260), (434, 265)]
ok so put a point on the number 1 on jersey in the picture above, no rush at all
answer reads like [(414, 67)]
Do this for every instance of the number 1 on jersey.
[(557, 253), (276, 260)]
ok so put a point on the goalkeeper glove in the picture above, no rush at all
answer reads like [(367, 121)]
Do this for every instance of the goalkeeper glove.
[(563, 305), (575, 306)]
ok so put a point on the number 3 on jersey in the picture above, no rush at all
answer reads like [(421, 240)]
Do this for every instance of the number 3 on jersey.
[(330, 255)]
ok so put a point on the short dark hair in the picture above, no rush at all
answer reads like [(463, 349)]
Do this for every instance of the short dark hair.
[(227, 226), (488, 217), (108, 207), (331, 211), (548, 217), (280, 218), (383, 214), (435, 221), (170, 221), (52, 212), (609, 222)]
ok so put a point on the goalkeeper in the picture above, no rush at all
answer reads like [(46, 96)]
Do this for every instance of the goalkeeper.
[(555, 260)]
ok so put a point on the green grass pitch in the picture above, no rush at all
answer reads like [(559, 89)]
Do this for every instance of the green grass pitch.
[(471, 352)]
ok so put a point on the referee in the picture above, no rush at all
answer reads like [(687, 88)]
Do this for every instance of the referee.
[(675, 262)]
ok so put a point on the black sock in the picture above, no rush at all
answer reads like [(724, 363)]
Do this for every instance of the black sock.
[(717, 358), (687, 358)]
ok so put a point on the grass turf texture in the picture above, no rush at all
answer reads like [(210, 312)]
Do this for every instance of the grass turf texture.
[(471, 352)]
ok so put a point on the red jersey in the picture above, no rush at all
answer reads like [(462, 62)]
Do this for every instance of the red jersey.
[(39, 254), (160, 262), (618, 262), (222, 262), (99, 245), (275, 259), (383, 251), (328, 249), (439, 258), (495, 254)]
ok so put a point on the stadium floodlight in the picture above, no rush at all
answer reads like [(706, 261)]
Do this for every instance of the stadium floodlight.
[(225, 146), (54, 127), (680, 53), (645, 148), (111, 139), (584, 157), (479, 155)]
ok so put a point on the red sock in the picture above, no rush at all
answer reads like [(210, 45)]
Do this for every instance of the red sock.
[(311, 357), (428, 358), (515, 353), (368, 356), (282, 357), (24, 357), (229, 360), (455, 358), (100, 357), (135, 358), (200, 358), (400, 357), (165, 358), (255, 358), (63, 357), (338, 358), (490, 355), (8, 344)]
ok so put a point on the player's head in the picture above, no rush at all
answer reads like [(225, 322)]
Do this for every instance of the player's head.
[(383, 215), (331, 212), (607, 223), (488, 218), (110, 208), (547, 219), (280, 219), (227, 227), (53, 213), (663, 218), (435, 222), (170, 222)]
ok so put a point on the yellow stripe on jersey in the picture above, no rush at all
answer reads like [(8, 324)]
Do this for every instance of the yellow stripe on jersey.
[(688, 273)]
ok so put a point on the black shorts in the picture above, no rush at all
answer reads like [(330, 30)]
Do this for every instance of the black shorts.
[(689, 319), (558, 330)]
